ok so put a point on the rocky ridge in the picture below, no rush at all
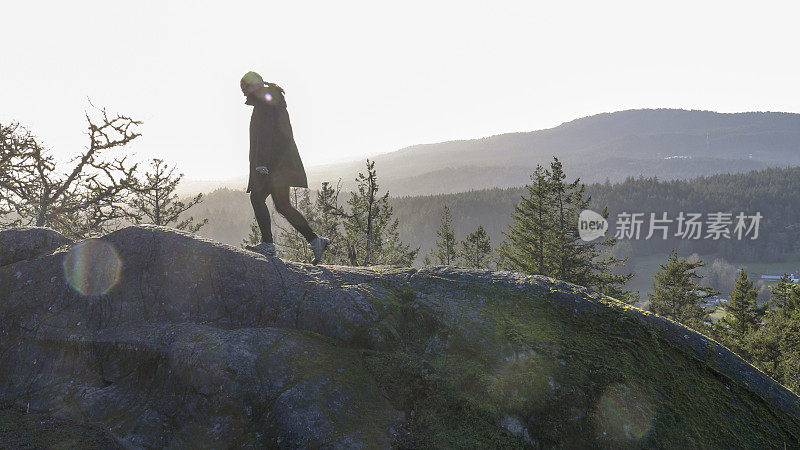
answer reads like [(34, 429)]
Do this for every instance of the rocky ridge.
[(165, 339)]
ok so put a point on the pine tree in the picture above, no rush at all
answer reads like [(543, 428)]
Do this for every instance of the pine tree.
[(571, 261), (361, 229), (530, 228), (476, 249), (774, 346), (781, 295), (153, 199), (607, 280), (445, 251), (391, 249), (677, 294), (543, 236), (254, 238), (742, 313), (370, 231), (328, 224)]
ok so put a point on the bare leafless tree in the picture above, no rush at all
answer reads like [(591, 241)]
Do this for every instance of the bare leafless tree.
[(81, 200), (17, 170)]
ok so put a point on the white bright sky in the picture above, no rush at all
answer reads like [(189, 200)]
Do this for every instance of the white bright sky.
[(371, 77)]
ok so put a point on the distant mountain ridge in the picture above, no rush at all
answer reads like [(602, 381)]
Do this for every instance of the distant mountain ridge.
[(665, 143), (668, 143)]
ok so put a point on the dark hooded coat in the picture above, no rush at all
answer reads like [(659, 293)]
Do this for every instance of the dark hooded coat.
[(272, 142)]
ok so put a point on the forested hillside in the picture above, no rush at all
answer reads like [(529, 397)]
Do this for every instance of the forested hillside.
[(772, 192)]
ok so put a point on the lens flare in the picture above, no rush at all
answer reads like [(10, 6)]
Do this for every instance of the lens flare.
[(624, 413), (92, 267)]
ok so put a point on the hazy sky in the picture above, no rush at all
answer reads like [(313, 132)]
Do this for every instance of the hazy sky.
[(371, 77)]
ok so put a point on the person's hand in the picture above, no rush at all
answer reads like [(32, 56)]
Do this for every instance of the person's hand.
[(262, 170)]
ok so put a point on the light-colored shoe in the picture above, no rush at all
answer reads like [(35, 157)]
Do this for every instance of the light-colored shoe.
[(318, 246), (267, 248)]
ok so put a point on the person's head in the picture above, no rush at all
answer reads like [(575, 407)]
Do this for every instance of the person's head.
[(251, 81)]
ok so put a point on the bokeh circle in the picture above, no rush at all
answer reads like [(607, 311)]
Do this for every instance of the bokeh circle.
[(625, 413), (92, 267)]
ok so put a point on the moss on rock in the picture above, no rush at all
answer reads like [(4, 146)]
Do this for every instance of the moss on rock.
[(200, 343)]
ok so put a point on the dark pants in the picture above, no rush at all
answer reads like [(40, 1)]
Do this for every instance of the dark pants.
[(280, 195)]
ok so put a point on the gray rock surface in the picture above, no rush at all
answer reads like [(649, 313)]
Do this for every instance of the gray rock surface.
[(166, 339), (18, 244)]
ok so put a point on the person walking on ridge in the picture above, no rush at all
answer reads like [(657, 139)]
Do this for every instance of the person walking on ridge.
[(275, 164)]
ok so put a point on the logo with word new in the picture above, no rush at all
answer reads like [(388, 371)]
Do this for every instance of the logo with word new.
[(591, 225)]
